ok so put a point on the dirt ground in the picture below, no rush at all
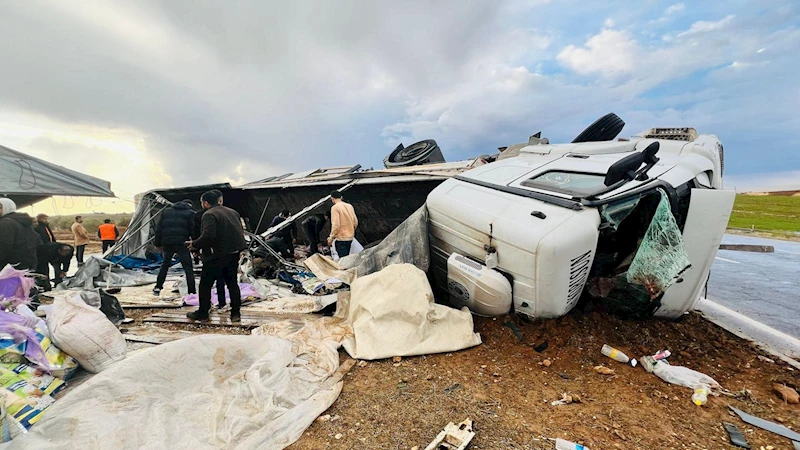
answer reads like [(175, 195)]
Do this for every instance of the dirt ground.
[(503, 386)]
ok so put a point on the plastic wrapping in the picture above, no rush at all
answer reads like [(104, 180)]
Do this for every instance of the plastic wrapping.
[(661, 258), (407, 244), (392, 313), (683, 376), (204, 392), (98, 272)]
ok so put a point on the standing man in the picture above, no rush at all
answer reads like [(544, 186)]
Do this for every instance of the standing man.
[(108, 233), (43, 228), (221, 242), (343, 224), (175, 228), (287, 234), (57, 255), (81, 239), (18, 240), (312, 227)]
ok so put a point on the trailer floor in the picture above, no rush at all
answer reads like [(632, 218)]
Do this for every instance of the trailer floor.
[(504, 389)]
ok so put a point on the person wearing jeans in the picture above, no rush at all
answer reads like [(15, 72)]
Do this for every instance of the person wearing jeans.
[(221, 242), (343, 224), (81, 239), (172, 232)]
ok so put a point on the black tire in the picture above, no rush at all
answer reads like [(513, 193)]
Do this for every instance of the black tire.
[(422, 152), (605, 128)]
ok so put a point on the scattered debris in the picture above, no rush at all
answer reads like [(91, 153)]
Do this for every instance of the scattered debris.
[(397, 359), (514, 329), (614, 354), (452, 388), (766, 360), (453, 437), (603, 370), (767, 425), (325, 418), (566, 399), (563, 444), (546, 363), (788, 394), (338, 436), (736, 437), (362, 363), (541, 347)]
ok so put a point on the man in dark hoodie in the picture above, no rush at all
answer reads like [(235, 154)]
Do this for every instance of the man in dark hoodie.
[(221, 242), (43, 228), (288, 233), (57, 255), (175, 228), (18, 240)]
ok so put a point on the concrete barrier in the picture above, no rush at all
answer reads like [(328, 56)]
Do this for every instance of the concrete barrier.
[(748, 248)]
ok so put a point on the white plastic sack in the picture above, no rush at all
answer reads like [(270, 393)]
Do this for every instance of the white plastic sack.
[(683, 376), (355, 248), (85, 333), (203, 392), (392, 313)]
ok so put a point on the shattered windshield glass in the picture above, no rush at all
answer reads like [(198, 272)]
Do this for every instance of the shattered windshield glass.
[(573, 183), (661, 258)]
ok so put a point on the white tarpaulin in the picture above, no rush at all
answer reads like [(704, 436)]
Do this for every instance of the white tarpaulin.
[(392, 313), (204, 392)]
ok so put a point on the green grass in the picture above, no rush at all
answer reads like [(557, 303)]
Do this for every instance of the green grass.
[(766, 213)]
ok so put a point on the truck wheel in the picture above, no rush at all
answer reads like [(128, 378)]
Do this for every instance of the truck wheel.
[(605, 128)]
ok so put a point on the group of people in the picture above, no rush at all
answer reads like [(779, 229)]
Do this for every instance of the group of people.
[(343, 225), (29, 244), (216, 235)]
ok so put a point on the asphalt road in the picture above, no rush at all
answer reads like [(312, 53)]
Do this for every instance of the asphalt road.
[(762, 286)]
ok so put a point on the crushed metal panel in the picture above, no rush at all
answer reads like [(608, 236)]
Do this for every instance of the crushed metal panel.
[(453, 437)]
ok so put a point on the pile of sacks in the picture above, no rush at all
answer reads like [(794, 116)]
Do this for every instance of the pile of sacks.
[(37, 356)]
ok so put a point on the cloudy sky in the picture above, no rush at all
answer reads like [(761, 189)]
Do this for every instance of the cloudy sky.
[(152, 93)]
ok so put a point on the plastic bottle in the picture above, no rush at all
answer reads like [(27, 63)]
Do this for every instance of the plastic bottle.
[(563, 444), (700, 396), (614, 354)]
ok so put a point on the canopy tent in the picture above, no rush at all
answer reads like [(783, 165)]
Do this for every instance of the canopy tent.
[(27, 180)]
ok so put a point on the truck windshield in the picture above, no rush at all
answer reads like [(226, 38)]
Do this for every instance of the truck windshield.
[(572, 183)]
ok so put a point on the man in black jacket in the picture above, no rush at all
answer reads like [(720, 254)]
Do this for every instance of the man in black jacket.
[(221, 242), (175, 228), (18, 240), (57, 255), (313, 226), (43, 228)]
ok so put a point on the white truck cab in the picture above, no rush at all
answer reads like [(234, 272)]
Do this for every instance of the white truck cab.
[(563, 222)]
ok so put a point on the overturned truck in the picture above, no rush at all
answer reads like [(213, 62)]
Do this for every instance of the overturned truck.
[(630, 224)]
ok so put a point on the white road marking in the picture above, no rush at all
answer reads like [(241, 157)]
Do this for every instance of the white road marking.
[(726, 260), (791, 253)]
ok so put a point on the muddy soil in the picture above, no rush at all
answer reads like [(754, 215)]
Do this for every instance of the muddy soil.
[(505, 387)]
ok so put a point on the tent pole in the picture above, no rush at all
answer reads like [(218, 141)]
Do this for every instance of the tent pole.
[(262, 214)]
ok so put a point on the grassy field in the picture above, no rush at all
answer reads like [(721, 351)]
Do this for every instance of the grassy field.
[(770, 213)]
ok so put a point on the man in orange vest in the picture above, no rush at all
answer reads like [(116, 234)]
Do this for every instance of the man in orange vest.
[(108, 233)]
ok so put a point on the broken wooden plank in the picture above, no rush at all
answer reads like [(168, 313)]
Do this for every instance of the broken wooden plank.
[(213, 322), (453, 437), (151, 306), (338, 375)]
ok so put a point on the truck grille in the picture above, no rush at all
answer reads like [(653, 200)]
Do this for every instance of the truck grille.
[(578, 273)]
